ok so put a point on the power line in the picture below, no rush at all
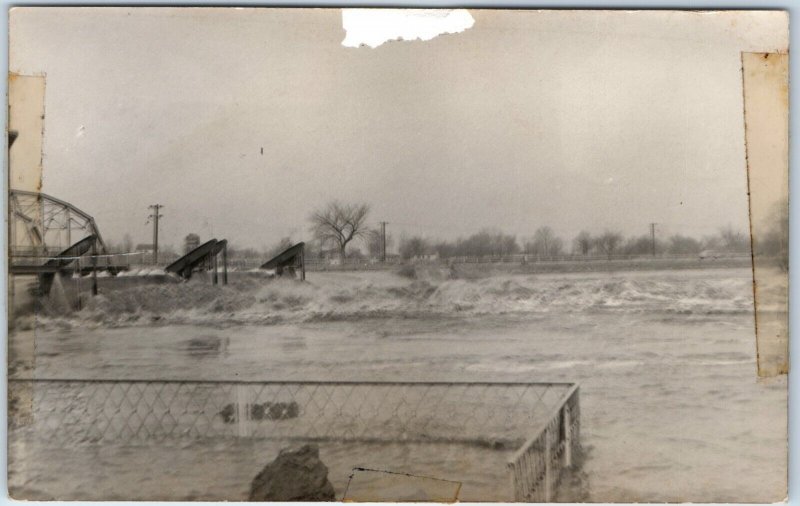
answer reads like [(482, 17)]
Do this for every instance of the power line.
[(383, 239), (155, 216), (653, 237)]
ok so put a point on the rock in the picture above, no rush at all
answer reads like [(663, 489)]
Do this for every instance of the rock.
[(295, 475)]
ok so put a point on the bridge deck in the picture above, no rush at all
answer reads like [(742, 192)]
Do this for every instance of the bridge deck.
[(33, 269)]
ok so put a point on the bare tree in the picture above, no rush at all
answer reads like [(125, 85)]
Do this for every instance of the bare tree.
[(640, 245), (411, 247), (608, 242), (340, 223), (486, 242), (545, 244), (584, 242), (683, 245)]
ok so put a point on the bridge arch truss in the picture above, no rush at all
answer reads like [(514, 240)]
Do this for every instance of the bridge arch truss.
[(43, 226)]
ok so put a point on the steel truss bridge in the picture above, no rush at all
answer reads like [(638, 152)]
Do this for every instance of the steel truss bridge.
[(42, 227)]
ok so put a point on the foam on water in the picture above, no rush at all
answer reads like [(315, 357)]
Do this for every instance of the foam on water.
[(346, 296), (143, 271)]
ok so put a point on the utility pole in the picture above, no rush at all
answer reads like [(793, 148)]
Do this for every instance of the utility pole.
[(383, 240), (155, 216), (653, 238)]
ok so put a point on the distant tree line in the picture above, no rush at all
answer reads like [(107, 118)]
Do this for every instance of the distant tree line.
[(339, 225), (483, 243), (545, 244)]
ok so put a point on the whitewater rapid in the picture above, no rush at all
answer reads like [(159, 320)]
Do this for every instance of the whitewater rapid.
[(353, 296)]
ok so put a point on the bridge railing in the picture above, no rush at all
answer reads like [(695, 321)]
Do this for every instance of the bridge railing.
[(38, 257), (541, 420)]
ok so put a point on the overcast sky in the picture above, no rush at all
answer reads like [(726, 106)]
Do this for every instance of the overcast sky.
[(576, 120)]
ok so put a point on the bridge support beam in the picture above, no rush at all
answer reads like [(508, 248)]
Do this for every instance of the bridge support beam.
[(214, 277), (203, 258), (225, 264), (94, 268)]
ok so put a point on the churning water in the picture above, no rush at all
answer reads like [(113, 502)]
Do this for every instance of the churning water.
[(671, 409)]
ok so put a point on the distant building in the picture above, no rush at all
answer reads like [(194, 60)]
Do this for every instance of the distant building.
[(146, 251), (425, 257), (190, 242)]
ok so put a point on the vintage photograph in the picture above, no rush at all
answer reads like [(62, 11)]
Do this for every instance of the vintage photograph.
[(301, 254)]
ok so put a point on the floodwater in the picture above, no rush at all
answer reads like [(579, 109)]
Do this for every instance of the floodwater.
[(671, 408)]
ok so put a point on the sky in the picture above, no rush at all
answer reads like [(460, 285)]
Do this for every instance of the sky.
[(242, 122)]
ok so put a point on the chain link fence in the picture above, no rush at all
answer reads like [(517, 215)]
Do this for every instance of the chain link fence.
[(537, 467), (502, 416)]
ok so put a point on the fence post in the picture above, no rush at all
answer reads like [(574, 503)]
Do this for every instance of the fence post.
[(225, 264), (214, 278), (567, 422), (242, 411), (78, 296), (94, 267), (547, 463), (303, 263), (576, 429), (512, 474)]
